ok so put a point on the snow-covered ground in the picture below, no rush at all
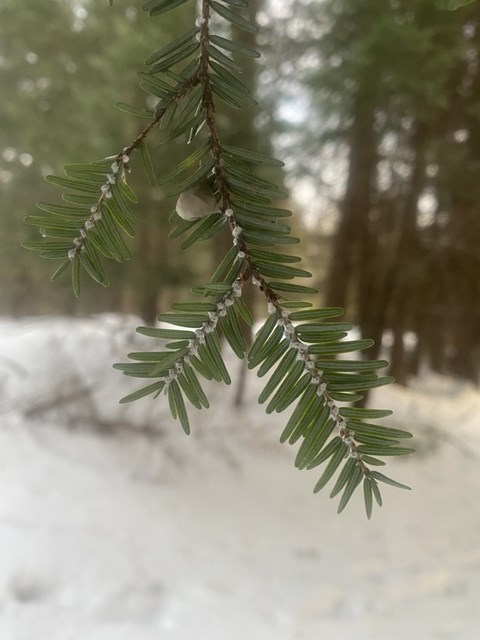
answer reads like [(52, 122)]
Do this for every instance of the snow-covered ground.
[(116, 526)]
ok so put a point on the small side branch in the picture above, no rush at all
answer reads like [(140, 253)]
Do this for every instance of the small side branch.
[(120, 167)]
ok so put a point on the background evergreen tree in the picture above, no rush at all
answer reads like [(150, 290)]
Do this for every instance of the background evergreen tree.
[(388, 86)]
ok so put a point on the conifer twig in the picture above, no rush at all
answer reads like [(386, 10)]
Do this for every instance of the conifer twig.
[(120, 167)]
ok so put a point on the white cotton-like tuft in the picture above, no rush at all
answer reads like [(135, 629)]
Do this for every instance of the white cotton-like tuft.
[(197, 202), (200, 336), (236, 289)]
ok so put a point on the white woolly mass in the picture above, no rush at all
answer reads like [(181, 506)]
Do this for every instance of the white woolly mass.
[(236, 289), (105, 189), (200, 333), (333, 409)]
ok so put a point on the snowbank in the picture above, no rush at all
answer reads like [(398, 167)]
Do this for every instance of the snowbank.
[(131, 530)]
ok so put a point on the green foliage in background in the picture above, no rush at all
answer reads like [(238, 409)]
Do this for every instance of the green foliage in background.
[(298, 346), (390, 145), (57, 81), (452, 5)]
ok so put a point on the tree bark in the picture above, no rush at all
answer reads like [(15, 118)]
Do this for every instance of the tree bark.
[(404, 293), (352, 240)]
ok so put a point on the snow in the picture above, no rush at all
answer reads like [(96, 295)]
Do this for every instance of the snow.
[(115, 525)]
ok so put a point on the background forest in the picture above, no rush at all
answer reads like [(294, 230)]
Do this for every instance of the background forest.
[(374, 105), (113, 524)]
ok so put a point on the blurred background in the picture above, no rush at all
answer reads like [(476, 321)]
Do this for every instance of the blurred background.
[(105, 528), (374, 106)]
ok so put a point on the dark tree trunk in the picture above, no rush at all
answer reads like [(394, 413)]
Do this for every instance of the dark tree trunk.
[(405, 293), (352, 240)]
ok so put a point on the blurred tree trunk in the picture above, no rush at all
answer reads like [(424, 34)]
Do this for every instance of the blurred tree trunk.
[(464, 312), (351, 248), (404, 295), (147, 295), (151, 260)]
